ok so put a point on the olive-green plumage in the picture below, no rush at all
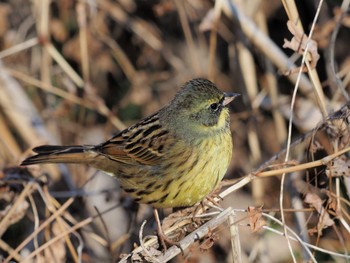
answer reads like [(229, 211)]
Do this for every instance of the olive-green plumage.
[(172, 158)]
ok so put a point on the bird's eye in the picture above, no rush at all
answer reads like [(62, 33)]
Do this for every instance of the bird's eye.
[(214, 106)]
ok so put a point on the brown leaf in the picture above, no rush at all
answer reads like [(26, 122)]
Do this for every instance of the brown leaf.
[(255, 218), (209, 241), (299, 42), (316, 202), (340, 166)]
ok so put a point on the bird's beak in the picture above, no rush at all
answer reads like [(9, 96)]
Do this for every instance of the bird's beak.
[(229, 97)]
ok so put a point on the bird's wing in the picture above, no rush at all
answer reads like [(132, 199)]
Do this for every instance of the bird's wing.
[(142, 143)]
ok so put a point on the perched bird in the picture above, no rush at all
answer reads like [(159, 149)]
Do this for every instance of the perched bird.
[(173, 158)]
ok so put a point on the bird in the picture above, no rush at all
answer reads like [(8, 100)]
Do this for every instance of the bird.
[(172, 158)]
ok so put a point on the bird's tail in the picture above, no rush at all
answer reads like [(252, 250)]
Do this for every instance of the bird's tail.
[(59, 154)]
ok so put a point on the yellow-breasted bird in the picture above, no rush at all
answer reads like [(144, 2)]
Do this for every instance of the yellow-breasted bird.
[(173, 158)]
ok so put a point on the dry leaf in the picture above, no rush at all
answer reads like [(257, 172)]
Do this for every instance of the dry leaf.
[(340, 166), (324, 218), (209, 241), (255, 218), (332, 203), (151, 254), (299, 42)]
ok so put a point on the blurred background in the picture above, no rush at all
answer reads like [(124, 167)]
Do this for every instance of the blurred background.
[(77, 72)]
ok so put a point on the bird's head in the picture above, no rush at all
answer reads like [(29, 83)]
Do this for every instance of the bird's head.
[(199, 108)]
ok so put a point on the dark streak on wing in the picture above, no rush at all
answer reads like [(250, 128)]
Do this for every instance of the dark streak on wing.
[(162, 199), (142, 143)]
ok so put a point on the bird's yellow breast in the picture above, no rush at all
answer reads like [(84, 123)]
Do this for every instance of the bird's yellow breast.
[(188, 182)]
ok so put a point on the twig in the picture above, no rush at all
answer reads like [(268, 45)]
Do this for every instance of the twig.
[(153, 259), (188, 35), (296, 238), (265, 45), (196, 235), (64, 65), (213, 40), (333, 78), (40, 228), (235, 242), (188, 240), (4, 223), (58, 237), (19, 47), (248, 178), (100, 107)]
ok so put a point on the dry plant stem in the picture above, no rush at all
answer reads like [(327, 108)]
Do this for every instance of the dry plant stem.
[(42, 10), (120, 241), (81, 18), (142, 243), (271, 86), (340, 217), (319, 97), (287, 155), (266, 46), (187, 241), (8, 142), (58, 237), (245, 180), (235, 242), (293, 235), (47, 87), (188, 35), (12, 96), (4, 223), (36, 219), (47, 198), (304, 244), (304, 166), (62, 226), (64, 65), (99, 107), (333, 78), (19, 47), (293, 15), (248, 178), (105, 228), (247, 66), (135, 25), (5, 247), (322, 101), (161, 235), (40, 228), (292, 12), (213, 40), (119, 55), (196, 235), (52, 205)]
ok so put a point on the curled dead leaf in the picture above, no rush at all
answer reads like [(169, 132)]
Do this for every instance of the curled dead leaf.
[(209, 241), (299, 43), (255, 218), (324, 218)]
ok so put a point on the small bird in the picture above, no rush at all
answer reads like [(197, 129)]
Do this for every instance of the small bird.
[(173, 158)]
